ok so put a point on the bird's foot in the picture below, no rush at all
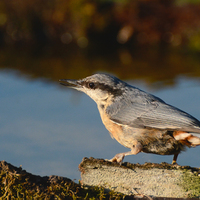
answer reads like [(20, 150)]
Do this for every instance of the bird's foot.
[(118, 158), (175, 163)]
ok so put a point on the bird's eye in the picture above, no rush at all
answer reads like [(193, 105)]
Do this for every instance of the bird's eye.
[(91, 85)]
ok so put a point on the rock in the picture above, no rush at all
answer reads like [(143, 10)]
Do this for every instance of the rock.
[(150, 179)]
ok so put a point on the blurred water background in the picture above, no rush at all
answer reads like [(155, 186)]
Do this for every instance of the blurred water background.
[(47, 128)]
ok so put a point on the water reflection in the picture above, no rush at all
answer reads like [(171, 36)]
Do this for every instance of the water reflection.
[(152, 65), (48, 129)]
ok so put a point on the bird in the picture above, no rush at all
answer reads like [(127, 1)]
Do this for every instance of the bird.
[(137, 119)]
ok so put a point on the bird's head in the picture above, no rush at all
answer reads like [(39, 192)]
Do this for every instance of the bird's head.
[(98, 86)]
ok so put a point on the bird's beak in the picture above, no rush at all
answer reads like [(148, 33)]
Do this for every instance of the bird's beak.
[(71, 83)]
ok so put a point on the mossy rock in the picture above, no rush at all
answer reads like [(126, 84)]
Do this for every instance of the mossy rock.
[(151, 179), (16, 183)]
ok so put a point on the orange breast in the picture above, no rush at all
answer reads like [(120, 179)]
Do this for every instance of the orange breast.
[(114, 129)]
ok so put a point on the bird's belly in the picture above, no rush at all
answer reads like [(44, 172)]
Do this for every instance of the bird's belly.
[(116, 131), (155, 141), (152, 140)]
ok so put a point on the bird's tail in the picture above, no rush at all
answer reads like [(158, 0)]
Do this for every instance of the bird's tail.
[(189, 139)]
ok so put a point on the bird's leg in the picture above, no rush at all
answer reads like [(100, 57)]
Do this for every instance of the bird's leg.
[(120, 156), (175, 159)]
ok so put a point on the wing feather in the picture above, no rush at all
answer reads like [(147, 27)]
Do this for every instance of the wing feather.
[(141, 109)]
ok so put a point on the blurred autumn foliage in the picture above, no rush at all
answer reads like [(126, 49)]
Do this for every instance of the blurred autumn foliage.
[(139, 37)]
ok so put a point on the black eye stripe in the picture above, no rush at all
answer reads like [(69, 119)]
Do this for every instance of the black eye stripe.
[(103, 87)]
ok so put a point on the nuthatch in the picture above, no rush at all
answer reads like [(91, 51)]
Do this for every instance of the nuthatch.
[(138, 120)]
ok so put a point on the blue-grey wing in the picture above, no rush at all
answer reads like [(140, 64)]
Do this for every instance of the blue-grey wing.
[(145, 110)]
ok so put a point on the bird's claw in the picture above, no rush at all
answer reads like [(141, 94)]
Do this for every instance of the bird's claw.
[(118, 158)]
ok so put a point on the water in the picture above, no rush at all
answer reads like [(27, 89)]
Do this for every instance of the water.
[(48, 128)]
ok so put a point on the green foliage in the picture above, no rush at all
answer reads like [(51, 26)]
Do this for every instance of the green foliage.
[(194, 42)]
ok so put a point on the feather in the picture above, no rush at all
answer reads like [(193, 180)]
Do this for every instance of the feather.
[(139, 109)]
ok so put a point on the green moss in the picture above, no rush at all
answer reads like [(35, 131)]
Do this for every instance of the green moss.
[(19, 186), (191, 183)]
